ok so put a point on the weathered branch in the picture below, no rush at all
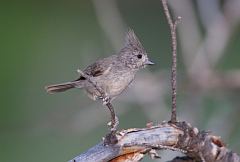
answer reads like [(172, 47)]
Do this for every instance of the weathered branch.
[(134, 143)]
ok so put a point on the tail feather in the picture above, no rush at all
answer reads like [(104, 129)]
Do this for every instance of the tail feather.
[(60, 87)]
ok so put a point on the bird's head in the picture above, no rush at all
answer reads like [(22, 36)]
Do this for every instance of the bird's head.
[(133, 54)]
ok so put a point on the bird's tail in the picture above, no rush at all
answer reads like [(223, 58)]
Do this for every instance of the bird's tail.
[(62, 87)]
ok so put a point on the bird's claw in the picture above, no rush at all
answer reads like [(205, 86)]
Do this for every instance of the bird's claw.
[(106, 100)]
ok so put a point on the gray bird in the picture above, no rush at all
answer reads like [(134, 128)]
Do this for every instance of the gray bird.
[(112, 74)]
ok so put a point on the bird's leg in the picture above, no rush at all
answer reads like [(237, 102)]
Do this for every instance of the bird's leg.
[(106, 100)]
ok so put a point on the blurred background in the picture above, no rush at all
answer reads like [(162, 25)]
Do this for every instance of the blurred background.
[(45, 42)]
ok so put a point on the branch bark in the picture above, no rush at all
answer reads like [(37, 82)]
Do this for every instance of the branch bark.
[(134, 143)]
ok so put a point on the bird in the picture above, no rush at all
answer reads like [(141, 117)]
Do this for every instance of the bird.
[(112, 74)]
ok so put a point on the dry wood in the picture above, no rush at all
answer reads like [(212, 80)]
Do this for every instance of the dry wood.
[(134, 143)]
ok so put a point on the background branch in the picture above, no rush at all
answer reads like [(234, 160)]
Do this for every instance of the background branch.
[(173, 26)]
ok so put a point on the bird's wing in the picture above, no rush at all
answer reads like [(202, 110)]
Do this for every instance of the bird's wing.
[(100, 67)]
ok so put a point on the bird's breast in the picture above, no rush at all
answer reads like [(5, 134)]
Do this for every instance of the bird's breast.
[(116, 83)]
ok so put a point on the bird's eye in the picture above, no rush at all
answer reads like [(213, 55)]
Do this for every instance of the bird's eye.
[(139, 56)]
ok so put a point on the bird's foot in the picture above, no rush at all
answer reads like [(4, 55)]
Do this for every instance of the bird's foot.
[(106, 100)]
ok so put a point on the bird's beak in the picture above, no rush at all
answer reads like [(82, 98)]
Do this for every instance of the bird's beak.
[(149, 62)]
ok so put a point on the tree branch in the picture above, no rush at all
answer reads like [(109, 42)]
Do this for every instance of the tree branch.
[(173, 26), (136, 142)]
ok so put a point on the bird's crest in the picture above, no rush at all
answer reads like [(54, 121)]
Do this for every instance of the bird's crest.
[(132, 40)]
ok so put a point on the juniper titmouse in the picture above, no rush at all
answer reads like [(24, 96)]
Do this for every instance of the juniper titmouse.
[(112, 74)]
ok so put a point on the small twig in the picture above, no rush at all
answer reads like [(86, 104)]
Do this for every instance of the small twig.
[(106, 100), (173, 26)]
